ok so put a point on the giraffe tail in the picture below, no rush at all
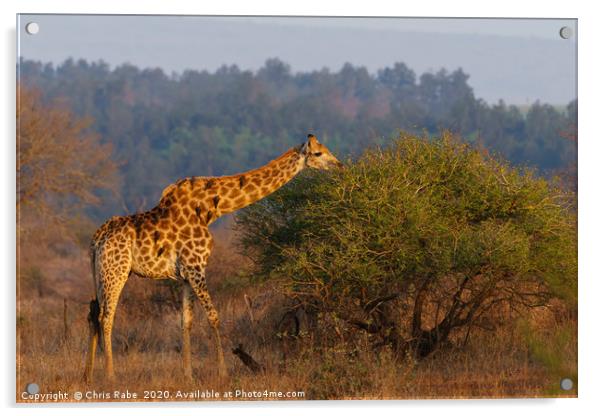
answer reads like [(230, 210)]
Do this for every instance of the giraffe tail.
[(94, 314), (93, 317)]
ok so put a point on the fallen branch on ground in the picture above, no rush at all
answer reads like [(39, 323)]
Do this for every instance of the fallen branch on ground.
[(247, 360)]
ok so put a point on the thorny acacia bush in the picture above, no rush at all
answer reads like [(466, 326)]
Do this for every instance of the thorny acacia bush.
[(416, 242)]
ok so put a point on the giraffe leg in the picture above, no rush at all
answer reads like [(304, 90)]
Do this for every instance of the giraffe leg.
[(108, 305), (187, 314), (92, 343), (196, 278)]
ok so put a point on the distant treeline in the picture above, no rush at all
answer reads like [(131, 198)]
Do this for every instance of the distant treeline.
[(164, 127)]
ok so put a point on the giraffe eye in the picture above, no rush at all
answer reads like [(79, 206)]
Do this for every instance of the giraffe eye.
[(318, 154)]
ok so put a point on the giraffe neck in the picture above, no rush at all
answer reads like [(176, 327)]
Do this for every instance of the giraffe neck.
[(258, 183), (208, 198)]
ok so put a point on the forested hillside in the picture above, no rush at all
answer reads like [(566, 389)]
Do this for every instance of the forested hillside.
[(163, 127)]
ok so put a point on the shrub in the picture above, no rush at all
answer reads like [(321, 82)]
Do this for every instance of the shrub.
[(416, 241)]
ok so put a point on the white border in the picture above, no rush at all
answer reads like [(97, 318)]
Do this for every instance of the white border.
[(589, 198)]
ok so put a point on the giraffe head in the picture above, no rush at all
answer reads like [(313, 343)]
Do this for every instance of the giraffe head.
[(317, 156)]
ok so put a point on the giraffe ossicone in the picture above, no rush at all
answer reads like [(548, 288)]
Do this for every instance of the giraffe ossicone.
[(172, 241)]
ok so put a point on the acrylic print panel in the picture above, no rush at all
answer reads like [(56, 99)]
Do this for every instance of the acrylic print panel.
[(302, 208)]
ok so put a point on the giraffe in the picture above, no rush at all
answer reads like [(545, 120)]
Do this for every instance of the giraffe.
[(172, 241)]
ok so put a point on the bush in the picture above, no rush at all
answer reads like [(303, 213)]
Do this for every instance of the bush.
[(417, 241)]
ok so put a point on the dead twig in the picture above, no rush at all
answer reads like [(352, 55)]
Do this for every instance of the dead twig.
[(247, 360)]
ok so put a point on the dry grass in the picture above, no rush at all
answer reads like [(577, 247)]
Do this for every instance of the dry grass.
[(505, 363)]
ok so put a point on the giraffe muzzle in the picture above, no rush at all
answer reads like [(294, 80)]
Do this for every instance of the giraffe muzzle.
[(337, 164)]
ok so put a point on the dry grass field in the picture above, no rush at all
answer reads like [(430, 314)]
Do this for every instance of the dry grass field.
[(525, 358)]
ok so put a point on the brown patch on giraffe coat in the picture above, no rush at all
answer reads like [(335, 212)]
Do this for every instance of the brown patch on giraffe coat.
[(216, 200), (198, 193), (202, 205), (163, 212), (209, 215), (209, 184), (241, 181), (138, 220), (145, 236), (225, 204)]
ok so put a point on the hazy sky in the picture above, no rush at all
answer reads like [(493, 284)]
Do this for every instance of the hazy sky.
[(518, 60)]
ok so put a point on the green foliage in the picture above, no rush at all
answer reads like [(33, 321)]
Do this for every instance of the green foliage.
[(423, 215)]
